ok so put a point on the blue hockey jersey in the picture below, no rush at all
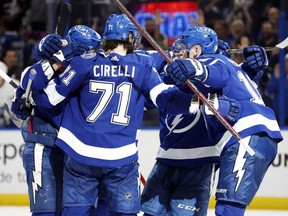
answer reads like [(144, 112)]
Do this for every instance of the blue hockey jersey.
[(184, 139), (105, 108), (227, 78)]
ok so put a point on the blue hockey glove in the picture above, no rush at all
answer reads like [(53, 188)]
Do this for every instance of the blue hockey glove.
[(182, 69), (46, 47), (17, 102), (223, 48), (68, 52), (256, 61), (227, 107)]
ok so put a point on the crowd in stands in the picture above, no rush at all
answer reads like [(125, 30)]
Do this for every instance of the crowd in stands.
[(238, 22)]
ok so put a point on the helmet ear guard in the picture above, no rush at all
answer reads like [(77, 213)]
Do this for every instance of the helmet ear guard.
[(176, 46), (85, 35), (201, 35)]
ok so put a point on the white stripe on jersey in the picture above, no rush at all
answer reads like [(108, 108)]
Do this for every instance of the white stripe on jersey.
[(154, 92), (183, 154), (248, 122), (96, 152), (53, 96)]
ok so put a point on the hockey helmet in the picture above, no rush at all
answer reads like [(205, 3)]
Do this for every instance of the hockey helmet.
[(84, 34), (201, 35), (118, 27)]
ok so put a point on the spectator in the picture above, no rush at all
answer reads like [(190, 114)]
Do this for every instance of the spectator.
[(11, 39), (268, 35), (239, 11), (273, 15), (213, 10), (28, 45), (98, 22), (238, 29), (10, 58), (6, 92), (256, 11), (152, 26), (222, 30)]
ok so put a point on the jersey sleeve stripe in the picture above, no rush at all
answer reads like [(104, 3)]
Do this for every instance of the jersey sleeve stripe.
[(53, 96), (154, 92)]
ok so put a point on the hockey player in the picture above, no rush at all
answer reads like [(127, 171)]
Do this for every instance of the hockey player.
[(181, 180), (42, 159), (100, 124), (240, 174)]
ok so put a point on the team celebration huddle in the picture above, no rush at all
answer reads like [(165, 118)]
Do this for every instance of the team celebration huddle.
[(81, 108)]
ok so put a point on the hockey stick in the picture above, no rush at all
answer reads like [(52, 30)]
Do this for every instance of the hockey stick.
[(26, 95), (63, 18), (62, 21), (280, 45), (142, 179), (7, 78), (156, 46)]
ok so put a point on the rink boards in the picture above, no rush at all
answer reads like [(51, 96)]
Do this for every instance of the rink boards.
[(273, 193)]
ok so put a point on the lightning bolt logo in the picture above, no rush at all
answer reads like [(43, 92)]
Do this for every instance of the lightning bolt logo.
[(239, 163), (174, 123), (37, 173), (193, 119)]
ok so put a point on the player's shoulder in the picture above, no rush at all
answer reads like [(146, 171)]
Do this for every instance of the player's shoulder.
[(216, 59), (86, 60), (141, 56)]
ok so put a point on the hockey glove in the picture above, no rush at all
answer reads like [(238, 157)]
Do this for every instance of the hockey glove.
[(17, 102), (223, 48), (256, 61), (227, 107), (182, 69), (46, 47), (68, 52)]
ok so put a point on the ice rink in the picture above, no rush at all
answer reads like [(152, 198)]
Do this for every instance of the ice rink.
[(24, 211)]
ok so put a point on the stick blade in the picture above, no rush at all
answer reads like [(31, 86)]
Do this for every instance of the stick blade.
[(283, 44), (63, 18)]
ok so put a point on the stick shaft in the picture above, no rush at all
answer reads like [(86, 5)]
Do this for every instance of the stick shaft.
[(239, 51), (283, 44), (63, 18), (187, 82), (8, 79)]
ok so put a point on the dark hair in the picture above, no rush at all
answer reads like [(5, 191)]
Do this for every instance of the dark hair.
[(112, 44), (5, 51)]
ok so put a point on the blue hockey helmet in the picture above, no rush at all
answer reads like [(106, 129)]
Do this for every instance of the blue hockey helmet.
[(118, 27), (201, 35), (84, 34)]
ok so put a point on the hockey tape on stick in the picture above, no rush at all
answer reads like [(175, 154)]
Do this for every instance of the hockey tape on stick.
[(157, 47), (7, 78)]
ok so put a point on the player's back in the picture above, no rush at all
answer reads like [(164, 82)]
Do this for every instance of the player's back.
[(102, 118)]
